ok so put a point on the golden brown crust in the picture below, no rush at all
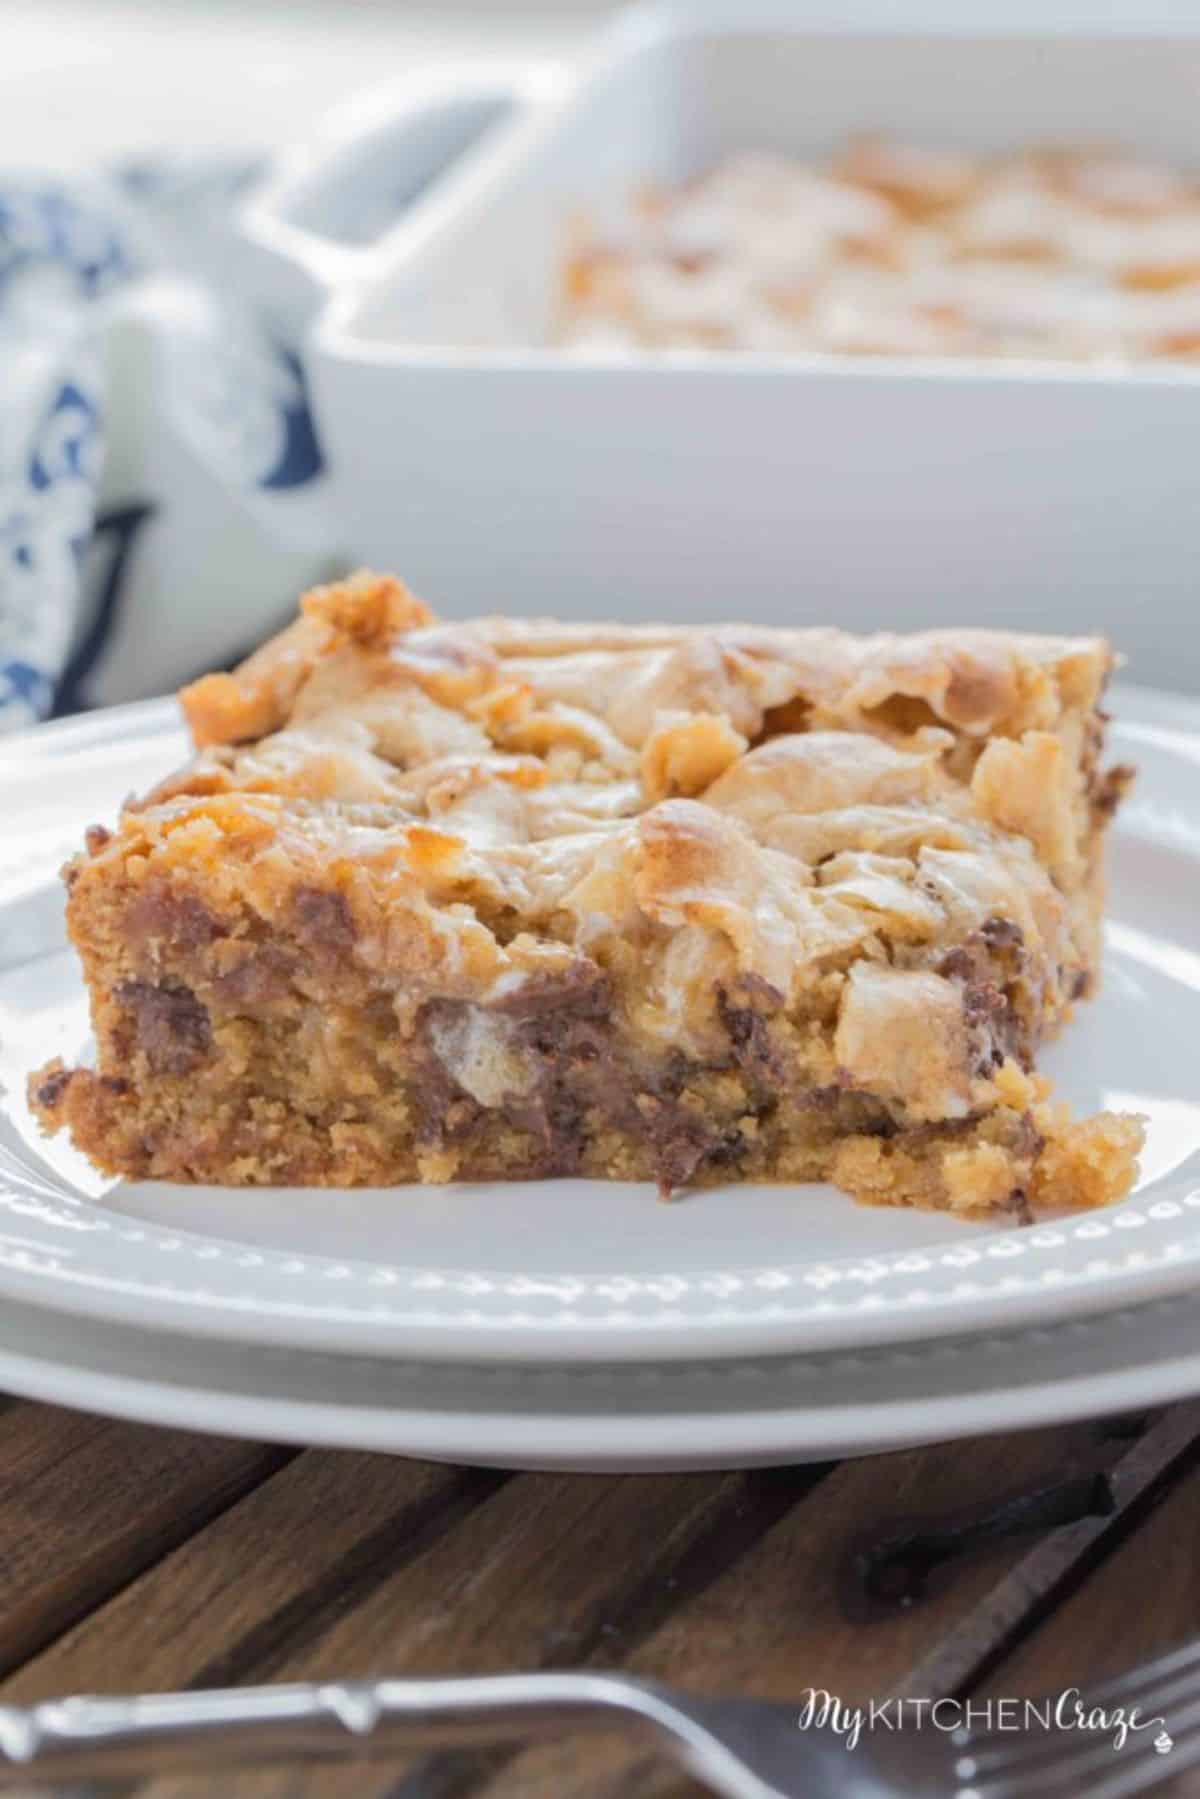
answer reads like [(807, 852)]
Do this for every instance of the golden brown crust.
[(259, 696), (842, 880), (224, 708)]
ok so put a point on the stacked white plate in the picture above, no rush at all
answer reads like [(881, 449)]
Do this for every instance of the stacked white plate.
[(582, 1324)]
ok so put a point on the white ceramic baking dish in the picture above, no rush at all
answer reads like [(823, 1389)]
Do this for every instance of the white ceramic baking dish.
[(339, 207), (497, 472)]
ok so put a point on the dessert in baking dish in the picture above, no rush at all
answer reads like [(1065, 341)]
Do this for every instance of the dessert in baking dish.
[(890, 249), (517, 898)]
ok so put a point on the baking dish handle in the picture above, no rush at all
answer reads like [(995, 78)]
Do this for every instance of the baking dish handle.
[(322, 219)]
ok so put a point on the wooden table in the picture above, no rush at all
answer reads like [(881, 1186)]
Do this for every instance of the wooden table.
[(133, 1558)]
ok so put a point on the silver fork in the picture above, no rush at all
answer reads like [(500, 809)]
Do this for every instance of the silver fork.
[(740, 1748)]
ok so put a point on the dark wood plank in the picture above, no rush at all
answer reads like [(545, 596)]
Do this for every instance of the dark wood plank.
[(650, 1574), (341, 1565), (1143, 1599), (1154, 1463), (292, 1553), (547, 1571), (87, 1504), (793, 1612)]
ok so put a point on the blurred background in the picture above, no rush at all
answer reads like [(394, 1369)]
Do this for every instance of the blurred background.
[(177, 461), (145, 529), (136, 75), (86, 79), (150, 522)]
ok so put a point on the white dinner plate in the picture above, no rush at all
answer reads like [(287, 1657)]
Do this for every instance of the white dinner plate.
[(588, 1271), (621, 1418)]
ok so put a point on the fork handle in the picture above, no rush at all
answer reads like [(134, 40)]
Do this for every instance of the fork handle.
[(153, 1733)]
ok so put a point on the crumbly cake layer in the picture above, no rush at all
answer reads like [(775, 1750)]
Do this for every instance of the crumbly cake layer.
[(506, 899), (894, 249)]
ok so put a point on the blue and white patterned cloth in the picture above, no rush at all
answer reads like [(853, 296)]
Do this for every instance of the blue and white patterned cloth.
[(160, 479)]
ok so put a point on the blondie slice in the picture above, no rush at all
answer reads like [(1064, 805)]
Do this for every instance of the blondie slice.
[(518, 898)]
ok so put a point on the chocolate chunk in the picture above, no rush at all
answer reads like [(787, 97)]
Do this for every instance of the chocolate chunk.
[(555, 1119), (982, 964), (48, 1092), (582, 990), (822, 1099), (729, 1151), (1002, 933), (1109, 789), (563, 1025), (682, 1140), (757, 986), (171, 1027), (446, 1112), (1028, 1140), (669, 1077), (564, 1022), (161, 911), (97, 837), (989, 1020), (958, 964), (1018, 1204), (265, 973), (323, 916), (750, 1039)]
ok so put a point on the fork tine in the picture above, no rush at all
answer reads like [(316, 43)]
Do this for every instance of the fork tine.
[(1168, 1680), (1169, 1667), (1147, 1770), (1090, 1767), (994, 1751)]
